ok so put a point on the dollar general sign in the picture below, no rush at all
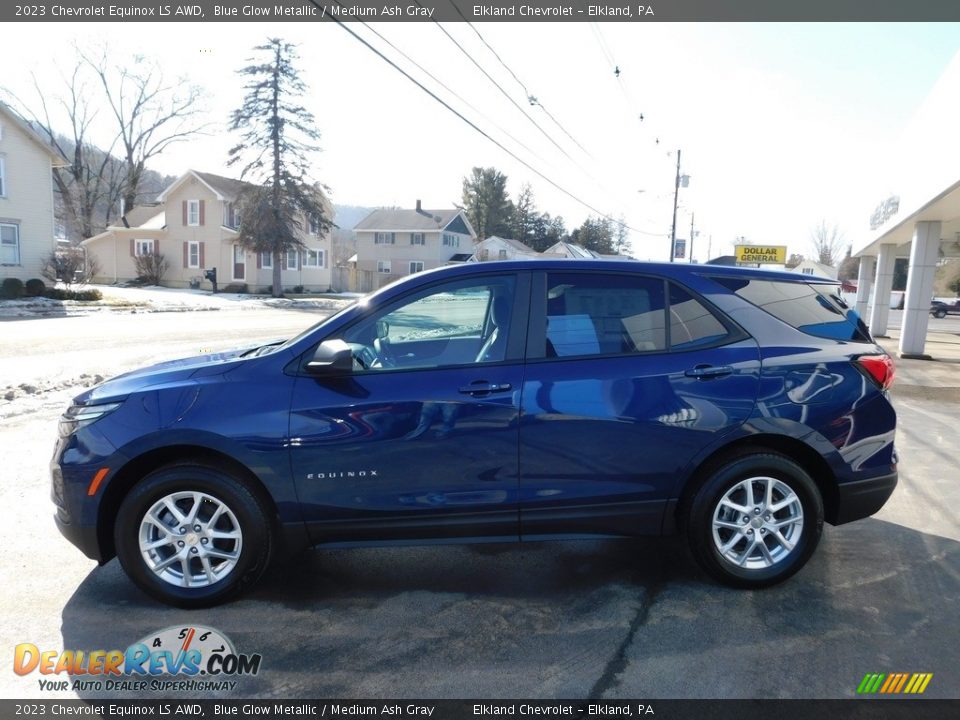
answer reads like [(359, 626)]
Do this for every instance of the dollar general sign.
[(769, 254)]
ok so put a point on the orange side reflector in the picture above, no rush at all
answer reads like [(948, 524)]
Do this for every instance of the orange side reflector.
[(97, 479)]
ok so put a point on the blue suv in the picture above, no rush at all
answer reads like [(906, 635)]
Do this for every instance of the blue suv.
[(491, 402)]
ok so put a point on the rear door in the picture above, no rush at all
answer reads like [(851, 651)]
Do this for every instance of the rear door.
[(628, 377)]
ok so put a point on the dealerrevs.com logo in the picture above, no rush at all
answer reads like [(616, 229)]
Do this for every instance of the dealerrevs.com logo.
[(191, 651)]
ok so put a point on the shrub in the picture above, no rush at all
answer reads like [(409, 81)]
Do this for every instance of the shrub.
[(81, 295), (35, 287), (70, 266), (151, 268), (11, 289), (298, 289), (239, 288)]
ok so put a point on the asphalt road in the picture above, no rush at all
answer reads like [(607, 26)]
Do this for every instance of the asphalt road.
[(602, 618)]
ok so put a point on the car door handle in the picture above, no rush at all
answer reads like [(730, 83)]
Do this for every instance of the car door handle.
[(706, 372), (482, 387)]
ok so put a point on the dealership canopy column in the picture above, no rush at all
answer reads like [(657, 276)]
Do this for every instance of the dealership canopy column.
[(880, 304), (868, 267), (924, 253)]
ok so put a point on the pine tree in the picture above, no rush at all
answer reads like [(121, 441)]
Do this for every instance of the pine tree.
[(277, 135)]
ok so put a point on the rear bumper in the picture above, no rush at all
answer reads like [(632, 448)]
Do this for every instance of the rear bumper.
[(862, 498)]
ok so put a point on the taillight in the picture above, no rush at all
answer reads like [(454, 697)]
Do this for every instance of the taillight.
[(879, 367)]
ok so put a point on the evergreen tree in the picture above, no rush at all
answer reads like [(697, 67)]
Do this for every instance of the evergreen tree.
[(486, 202), (277, 135)]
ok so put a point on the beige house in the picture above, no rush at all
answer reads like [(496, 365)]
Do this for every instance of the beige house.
[(194, 225), (498, 248), (26, 198), (398, 242)]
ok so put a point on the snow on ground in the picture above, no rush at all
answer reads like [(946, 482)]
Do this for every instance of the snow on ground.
[(160, 299)]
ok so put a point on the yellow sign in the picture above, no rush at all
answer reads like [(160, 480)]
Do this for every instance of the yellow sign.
[(762, 254)]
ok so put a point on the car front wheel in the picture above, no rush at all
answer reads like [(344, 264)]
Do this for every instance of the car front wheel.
[(755, 521), (193, 536), (939, 313)]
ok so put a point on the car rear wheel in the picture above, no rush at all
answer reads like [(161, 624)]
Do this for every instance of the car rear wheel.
[(755, 521), (193, 536), (939, 313)]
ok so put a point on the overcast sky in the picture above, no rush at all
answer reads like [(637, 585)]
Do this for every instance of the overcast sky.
[(779, 125)]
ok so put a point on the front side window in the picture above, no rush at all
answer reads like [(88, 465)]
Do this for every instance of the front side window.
[(9, 244), (193, 212), (457, 323), (604, 314), (814, 309), (144, 247)]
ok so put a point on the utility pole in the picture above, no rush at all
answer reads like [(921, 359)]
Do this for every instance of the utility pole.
[(676, 192), (690, 249)]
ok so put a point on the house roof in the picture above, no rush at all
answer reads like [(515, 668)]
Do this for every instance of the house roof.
[(403, 220), (141, 214), (515, 244), (824, 270), (571, 250), (10, 114), (223, 187)]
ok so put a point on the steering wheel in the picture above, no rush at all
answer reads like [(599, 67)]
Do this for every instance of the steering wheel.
[(384, 351)]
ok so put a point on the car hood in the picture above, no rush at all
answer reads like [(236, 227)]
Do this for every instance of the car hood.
[(165, 373)]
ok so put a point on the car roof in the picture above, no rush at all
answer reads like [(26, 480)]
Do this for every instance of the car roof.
[(666, 269)]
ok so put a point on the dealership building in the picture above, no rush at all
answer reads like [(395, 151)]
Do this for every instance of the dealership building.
[(920, 220)]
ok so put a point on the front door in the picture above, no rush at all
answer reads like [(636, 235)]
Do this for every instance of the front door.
[(421, 440), (239, 263)]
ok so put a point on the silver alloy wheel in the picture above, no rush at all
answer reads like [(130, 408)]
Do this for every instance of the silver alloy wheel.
[(190, 539), (757, 523)]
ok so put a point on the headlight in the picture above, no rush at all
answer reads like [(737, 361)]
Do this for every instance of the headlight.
[(77, 416)]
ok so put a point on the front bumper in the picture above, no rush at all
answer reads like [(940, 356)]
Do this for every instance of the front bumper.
[(862, 498)]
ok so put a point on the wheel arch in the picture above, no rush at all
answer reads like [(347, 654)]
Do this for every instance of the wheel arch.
[(142, 465), (808, 458)]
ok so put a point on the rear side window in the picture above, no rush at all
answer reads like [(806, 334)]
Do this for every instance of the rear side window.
[(814, 309), (609, 314)]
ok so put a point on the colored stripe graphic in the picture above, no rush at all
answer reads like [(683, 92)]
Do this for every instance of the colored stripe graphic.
[(894, 683)]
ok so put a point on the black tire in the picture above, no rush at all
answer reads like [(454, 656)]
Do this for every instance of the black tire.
[(699, 521), (248, 509), (939, 314)]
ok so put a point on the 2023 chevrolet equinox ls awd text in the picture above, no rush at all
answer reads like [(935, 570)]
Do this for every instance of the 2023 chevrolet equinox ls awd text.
[(490, 402)]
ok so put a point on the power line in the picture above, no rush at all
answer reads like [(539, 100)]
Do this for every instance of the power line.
[(533, 100), (482, 132), (451, 91), (500, 88)]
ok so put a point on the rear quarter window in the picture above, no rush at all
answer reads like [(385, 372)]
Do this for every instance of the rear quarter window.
[(812, 308)]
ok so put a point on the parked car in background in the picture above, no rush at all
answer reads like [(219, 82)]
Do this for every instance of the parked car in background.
[(517, 400), (940, 309)]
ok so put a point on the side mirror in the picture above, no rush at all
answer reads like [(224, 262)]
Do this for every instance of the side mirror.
[(332, 358)]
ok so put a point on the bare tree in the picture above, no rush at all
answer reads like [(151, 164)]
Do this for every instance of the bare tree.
[(71, 267), (89, 184), (151, 113), (826, 240), (151, 268)]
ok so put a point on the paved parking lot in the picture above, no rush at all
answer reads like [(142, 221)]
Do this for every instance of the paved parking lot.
[(603, 618)]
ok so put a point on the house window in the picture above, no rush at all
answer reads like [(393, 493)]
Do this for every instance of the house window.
[(416, 239), (807, 271), (416, 266), (383, 266), (292, 259), (484, 254), (503, 255), (193, 254), (451, 240), (9, 244), (143, 247), (3, 177), (313, 258), (384, 238), (266, 260), (314, 224), (193, 212)]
